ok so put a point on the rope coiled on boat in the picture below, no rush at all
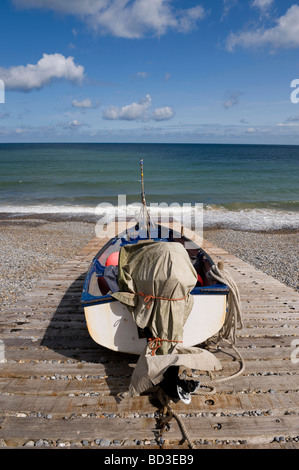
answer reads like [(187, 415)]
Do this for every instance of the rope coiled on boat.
[(233, 319)]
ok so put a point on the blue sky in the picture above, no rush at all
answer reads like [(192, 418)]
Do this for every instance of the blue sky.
[(149, 71)]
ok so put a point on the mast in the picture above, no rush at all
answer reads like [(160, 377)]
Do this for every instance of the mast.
[(145, 211), (142, 183)]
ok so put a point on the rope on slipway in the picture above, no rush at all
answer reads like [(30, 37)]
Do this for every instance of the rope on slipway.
[(167, 410), (227, 334), (165, 400)]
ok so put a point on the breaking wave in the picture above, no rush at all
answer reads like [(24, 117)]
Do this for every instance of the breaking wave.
[(248, 219)]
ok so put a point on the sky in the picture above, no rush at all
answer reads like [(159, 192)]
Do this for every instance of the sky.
[(173, 71)]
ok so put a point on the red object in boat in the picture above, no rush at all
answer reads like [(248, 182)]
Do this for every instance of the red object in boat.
[(112, 259)]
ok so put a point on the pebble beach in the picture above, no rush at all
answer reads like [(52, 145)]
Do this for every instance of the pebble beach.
[(275, 253), (31, 247)]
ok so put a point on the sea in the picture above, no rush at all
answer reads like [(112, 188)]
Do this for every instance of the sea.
[(243, 187)]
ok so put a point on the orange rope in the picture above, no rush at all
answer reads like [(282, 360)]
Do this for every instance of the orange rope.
[(148, 298), (155, 343)]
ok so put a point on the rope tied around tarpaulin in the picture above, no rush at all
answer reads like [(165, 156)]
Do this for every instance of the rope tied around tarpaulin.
[(148, 298), (155, 343)]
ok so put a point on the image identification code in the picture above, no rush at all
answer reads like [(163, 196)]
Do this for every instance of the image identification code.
[(151, 459), (172, 459)]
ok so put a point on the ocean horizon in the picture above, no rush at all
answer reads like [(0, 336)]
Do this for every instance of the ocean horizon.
[(239, 186)]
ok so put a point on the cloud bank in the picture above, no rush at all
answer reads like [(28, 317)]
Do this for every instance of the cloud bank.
[(125, 18), (35, 76)]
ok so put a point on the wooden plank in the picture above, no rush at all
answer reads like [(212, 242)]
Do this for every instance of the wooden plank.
[(92, 352), (101, 406), (115, 385), (37, 369), (253, 430), (51, 319), (55, 371), (69, 326)]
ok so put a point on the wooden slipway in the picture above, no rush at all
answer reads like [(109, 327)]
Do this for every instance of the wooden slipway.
[(59, 386)]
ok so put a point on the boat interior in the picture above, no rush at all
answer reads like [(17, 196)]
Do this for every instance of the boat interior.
[(98, 285)]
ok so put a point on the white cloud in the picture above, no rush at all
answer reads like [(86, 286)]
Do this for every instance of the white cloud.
[(284, 34), (82, 104), (163, 114), (292, 119), (189, 17), (138, 111), (131, 112), (262, 4), (75, 123), (71, 6), (124, 18), (4, 115), (35, 76), (141, 74), (68, 126), (227, 6), (232, 100)]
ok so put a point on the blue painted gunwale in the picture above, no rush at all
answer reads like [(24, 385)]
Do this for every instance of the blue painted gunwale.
[(88, 299)]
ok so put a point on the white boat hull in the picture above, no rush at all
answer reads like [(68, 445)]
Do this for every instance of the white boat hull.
[(111, 324)]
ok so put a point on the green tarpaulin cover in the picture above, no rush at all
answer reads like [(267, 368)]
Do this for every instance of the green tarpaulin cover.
[(152, 276), (155, 280)]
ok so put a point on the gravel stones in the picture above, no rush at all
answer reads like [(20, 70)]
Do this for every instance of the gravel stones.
[(30, 250), (274, 253), (104, 442)]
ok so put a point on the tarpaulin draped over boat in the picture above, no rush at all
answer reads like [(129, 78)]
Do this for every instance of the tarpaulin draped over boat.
[(149, 369), (155, 280)]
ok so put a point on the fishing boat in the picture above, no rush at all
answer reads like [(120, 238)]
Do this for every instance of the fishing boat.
[(111, 322)]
